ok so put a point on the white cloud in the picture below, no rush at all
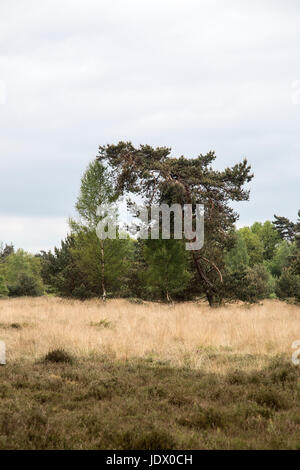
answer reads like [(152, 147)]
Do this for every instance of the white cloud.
[(33, 233), (195, 75)]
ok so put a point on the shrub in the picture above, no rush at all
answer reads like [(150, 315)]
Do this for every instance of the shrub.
[(82, 293), (288, 285), (26, 285), (258, 283), (102, 323), (249, 284), (58, 356), (22, 272)]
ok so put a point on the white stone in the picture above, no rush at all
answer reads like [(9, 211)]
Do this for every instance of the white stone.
[(2, 353)]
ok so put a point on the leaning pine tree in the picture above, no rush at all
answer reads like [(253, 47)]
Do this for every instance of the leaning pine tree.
[(159, 178)]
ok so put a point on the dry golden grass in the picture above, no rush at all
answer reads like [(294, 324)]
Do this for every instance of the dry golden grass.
[(184, 334)]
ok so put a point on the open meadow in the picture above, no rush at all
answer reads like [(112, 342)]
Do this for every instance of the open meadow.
[(148, 376), (183, 334)]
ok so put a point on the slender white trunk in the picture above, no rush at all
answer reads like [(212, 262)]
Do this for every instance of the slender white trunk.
[(103, 271)]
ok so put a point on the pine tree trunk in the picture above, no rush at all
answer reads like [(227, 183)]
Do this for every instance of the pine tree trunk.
[(208, 286), (210, 299)]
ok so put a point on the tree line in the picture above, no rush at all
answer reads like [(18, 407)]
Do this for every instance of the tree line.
[(249, 264)]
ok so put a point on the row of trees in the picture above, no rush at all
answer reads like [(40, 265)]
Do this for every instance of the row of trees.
[(248, 264), (260, 264)]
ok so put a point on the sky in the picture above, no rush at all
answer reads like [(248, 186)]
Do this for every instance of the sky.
[(194, 75)]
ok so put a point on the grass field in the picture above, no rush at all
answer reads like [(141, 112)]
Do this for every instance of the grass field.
[(148, 376)]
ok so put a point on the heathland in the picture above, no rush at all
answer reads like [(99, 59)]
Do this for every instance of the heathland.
[(125, 375)]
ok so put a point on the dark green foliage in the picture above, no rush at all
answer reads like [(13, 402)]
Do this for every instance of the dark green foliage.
[(257, 283), (283, 257), (274, 259), (248, 284), (25, 285), (167, 268), (82, 293), (285, 228), (288, 285), (58, 356), (136, 272), (290, 231), (60, 272), (87, 255), (21, 273)]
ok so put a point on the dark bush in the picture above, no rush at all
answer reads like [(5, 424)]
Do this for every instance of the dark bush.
[(82, 293), (58, 356), (26, 286), (248, 284), (288, 285)]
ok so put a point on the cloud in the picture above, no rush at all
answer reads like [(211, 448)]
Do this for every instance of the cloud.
[(193, 75), (33, 233)]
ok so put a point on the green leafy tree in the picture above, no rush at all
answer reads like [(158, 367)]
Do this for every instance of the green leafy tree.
[(284, 253), (118, 255), (269, 237), (255, 247), (249, 284), (105, 263), (95, 190), (26, 285), (237, 258)]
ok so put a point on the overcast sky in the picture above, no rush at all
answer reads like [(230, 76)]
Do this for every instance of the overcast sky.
[(194, 75)]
